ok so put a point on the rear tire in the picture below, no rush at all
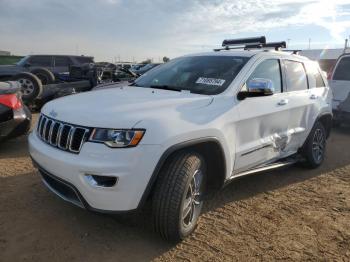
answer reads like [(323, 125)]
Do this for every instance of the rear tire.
[(31, 86), (46, 76), (315, 146), (177, 199)]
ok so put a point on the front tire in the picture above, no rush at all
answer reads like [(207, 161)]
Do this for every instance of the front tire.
[(315, 146), (31, 86), (177, 200)]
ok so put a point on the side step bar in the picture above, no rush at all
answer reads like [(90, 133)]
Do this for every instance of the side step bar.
[(287, 162)]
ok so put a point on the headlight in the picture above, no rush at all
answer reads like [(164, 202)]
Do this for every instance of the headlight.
[(117, 138)]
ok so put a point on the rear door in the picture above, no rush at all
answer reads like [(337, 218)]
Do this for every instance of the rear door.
[(340, 83), (62, 64), (261, 130), (301, 104)]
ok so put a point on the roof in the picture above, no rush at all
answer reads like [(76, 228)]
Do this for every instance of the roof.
[(60, 55), (249, 53)]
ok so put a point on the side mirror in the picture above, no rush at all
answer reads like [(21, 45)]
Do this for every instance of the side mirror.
[(257, 87)]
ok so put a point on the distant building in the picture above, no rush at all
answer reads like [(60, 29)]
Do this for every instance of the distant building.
[(325, 57), (5, 53)]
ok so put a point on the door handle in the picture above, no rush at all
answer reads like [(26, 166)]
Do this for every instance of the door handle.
[(313, 96), (283, 102)]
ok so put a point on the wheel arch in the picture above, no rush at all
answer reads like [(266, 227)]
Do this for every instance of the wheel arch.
[(326, 120), (209, 148)]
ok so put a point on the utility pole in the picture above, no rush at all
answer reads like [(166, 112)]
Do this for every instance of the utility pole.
[(288, 41), (309, 43)]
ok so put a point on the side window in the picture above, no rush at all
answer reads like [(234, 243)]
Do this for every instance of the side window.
[(315, 77), (342, 71), (295, 76), (269, 69), (62, 61), (40, 61)]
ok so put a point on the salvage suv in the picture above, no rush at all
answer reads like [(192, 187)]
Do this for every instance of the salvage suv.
[(184, 130)]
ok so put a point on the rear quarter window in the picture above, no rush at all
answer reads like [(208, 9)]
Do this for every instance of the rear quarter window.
[(314, 74), (342, 71)]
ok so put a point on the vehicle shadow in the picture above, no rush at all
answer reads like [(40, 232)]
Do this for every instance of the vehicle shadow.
[(337, 156), (38, 225), (14, 148)]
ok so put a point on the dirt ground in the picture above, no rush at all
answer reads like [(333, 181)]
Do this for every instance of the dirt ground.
[(289, 214)]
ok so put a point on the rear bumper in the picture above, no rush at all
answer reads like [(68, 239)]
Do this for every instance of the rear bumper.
[(19, 125)]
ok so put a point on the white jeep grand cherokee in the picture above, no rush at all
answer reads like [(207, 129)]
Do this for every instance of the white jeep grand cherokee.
[(182, 131)]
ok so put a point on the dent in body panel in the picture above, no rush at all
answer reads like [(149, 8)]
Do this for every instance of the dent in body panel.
[(261, 131)]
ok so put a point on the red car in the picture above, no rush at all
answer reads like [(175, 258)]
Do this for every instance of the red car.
[(15, 117)]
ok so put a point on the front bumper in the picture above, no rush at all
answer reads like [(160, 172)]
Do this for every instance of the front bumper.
[(65, 173), (19, 125)]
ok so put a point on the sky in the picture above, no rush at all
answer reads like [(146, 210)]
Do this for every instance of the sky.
[(134, 30)]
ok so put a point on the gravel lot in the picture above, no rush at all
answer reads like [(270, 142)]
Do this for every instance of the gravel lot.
[(288, 214)]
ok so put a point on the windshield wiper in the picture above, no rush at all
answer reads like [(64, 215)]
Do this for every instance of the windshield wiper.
[(166, 87)]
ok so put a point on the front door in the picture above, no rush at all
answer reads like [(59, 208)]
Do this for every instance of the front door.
[(261, 130)]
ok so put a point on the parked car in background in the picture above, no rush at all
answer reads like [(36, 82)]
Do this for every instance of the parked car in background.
[(136, 67), (15, 118), (183, 131), (145, 68), (340, 85), (36, 64)]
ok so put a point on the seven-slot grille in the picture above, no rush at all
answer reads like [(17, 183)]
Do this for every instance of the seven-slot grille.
[(62, 135)]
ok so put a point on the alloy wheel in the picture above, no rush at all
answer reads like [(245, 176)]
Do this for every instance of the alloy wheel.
[(318, 145), (192, 202), (27, 86)]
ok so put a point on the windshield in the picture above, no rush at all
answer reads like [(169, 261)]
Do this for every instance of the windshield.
[(199, 74)]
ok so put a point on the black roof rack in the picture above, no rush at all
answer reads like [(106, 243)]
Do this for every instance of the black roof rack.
[(244, 41), (251, 43)]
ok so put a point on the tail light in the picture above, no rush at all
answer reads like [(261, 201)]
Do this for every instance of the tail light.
[(11, 101)]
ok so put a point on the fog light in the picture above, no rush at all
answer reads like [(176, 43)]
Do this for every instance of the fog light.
[(101, 181)]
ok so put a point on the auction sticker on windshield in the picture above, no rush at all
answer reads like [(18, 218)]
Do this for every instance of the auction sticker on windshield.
[(210, 81)]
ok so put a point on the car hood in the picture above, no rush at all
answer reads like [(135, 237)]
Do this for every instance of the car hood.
[(8, 69), (122, 107)]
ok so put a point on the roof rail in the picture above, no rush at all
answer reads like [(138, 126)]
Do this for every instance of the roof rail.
[(294, 51), (251, 43)]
